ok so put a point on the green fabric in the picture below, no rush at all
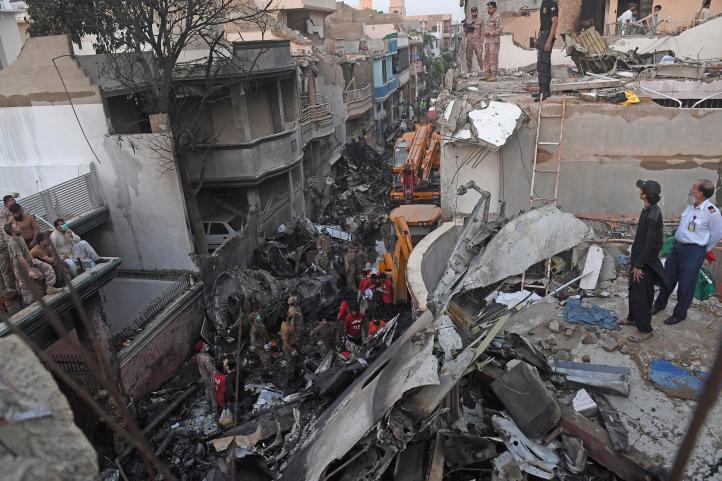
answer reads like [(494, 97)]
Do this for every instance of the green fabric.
[(705, 285), (667, 246)]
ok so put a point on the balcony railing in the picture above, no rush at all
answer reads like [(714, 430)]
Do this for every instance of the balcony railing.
[(358, 94), (75, 200)]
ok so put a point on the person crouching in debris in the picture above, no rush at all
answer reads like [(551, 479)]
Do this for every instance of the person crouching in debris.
[(207, 369), (326, 333), (492, 33), (647, 270), (260, 341), (295, 315)]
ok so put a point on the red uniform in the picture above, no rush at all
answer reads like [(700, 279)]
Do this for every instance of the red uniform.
[(352, 323), (388, 295), (219, 380), (365, 283), (375, 326), (342, 310)]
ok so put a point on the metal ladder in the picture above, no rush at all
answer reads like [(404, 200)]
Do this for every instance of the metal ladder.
[(534, 198)]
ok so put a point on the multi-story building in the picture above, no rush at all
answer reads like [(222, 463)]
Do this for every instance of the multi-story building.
[(398, 6), (437, 24)]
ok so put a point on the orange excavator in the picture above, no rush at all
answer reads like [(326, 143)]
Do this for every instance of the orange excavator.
[(411, 224), (417, 159)]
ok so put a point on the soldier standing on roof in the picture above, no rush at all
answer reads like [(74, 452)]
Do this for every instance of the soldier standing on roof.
[(494, 29), (295, 316), (549, 16), (473, 29)]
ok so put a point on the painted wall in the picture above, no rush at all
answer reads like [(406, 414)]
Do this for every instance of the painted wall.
[(10, 40), (43, 146), (148, 226)]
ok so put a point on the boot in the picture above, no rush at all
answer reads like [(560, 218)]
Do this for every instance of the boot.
[(491, 78)]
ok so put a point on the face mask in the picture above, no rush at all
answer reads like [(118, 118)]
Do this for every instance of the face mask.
[(18, 217), (691, 199)]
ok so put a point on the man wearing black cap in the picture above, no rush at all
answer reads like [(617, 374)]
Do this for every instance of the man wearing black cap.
[(646, 268)]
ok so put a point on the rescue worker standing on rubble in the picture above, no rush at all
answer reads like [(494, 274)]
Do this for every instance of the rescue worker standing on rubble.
[(474, 30), (549, 17), (699, 231), (492, 33), (206, 369), (326, 333), (260, 341), (290, 353), (646, 268), (295, 316)]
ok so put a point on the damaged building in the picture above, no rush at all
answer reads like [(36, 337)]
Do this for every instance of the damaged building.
[(509, 360)]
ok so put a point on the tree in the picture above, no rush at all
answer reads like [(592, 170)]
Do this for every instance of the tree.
[(145, 41)]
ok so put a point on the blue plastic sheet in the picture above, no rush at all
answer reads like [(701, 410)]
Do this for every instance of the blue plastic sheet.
[(594, 315), (675, 380)]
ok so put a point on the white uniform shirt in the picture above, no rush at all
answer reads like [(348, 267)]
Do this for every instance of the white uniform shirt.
[(700, 225), (626, 17)]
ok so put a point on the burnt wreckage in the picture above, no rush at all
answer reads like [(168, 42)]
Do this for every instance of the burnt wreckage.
[(452, 396)]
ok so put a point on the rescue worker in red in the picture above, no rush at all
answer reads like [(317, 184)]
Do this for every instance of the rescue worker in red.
[(219, 381), (353, 325), (387, 295)]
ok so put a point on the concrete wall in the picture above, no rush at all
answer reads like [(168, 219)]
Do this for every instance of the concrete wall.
[(461, 162), (10, 40), (330, 85), (148, 226), (703, 42), (167, 349), (427, 262), (673, 146), (43, 146)]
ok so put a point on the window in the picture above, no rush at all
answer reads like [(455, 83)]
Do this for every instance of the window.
[(216, 228), (384, 71)]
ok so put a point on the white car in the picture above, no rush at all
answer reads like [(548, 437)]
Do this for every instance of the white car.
[(219, 230)]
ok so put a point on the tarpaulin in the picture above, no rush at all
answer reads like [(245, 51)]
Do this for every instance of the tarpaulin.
[(587, 313)]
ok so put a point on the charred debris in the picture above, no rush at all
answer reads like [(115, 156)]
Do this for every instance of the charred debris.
[(449, 395)]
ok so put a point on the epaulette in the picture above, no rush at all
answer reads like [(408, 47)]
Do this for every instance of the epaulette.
[(711, 209)]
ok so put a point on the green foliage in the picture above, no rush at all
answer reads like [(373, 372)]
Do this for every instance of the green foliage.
[(73, 17)]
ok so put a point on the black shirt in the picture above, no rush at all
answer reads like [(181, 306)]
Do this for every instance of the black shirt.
[(649, 238), (549, 9)]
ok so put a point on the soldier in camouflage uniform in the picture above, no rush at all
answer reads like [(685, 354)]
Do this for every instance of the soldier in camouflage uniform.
[(7, 276), (295, 316), (259, 340), (327, 334), (34, 269), (474, 30), (206, 369), (492, 33)]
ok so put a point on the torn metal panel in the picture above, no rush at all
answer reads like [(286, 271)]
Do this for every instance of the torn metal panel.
[(448, 338), (364, 403), (522, 242), (595, 377), (533, 458), (611, 420)]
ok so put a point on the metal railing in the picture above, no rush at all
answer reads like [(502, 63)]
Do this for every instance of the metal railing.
[(156, 305), (358, 94), (665, 26), (319, 111), (67, 200)]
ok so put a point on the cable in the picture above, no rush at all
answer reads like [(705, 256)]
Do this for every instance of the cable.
[(73, 106)]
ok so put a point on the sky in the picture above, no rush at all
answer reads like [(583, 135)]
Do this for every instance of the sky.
[(422, 7)]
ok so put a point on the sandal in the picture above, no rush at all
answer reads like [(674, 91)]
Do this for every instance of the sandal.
[(637, 338), (626, 322)]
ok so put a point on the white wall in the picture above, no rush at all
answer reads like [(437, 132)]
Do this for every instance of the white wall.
[(43, 146), (460, 163), (703, 42), (148, 227), (10, 41)]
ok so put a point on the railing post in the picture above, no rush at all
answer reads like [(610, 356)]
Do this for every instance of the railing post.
[(50, 213)]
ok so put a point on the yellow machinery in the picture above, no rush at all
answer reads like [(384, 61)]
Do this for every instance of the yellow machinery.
[(417, 159), (411, 224)]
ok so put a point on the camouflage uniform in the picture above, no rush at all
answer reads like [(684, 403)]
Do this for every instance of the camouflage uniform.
[(7, 276), (327, 333), (296, 317), (206, 368), (494, 29), (475, 43), (18, 247), (259, 339)]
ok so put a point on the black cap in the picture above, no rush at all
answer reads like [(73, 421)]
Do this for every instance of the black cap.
[(650, 187), (491, 4)]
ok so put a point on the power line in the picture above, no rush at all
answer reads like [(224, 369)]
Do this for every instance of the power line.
[(67, 94)]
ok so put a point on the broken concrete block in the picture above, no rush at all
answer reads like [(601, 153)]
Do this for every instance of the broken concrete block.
[(609, 344), (589, 338), (586, 358), (554, 326), (569, 331), (563, 356), (626, 349), (526, 398), (583, 403)]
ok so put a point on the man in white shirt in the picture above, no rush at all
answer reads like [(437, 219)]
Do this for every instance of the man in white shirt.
[(699, 231), (71, 247), (630, 16)]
